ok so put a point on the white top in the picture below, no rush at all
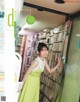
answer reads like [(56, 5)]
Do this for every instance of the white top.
[(41, 64)]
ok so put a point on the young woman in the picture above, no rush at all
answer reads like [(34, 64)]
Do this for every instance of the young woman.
[(31, 80)]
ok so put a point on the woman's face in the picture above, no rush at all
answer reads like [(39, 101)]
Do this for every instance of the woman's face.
[(44, 52)]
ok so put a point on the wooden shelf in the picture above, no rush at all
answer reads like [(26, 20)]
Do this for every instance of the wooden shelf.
[(50, 35), (42, 38), (59, 32), (52, 79), (49, 43), (45, 85), (57, 41), (57, 51), (29, 57)]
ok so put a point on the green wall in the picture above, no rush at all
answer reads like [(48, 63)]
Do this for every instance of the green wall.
[(71, 88)]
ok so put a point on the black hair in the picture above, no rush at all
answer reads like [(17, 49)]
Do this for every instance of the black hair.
[(41, 45)]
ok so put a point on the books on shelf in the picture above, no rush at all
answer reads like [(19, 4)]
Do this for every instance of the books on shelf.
[(52, 56), (56, 41), (48, 39), (55, 37), (51, 39), (60, 37), (53, 75), (60, 46), (65, 45), (42, 35), (56, 88), (59, 70), (50, 47), (51, 64), (49, 56), (28, 53), (55, 47)]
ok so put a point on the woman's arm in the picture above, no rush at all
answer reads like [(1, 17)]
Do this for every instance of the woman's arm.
[(33, 65), (51, 70)]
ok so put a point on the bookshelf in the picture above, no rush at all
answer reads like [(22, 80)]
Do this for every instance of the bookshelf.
[(57, 44), (29, 54), (20, 44)]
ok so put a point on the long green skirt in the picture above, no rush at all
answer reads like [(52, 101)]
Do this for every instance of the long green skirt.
[(31, 87)]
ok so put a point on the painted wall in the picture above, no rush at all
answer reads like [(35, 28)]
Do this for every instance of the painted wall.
[(18, 8), (71, 89)]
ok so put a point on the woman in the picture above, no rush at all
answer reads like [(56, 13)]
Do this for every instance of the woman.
[(31, 80)]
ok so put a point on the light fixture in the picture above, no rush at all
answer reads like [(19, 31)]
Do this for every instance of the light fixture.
[(30, 19), (59, 1)]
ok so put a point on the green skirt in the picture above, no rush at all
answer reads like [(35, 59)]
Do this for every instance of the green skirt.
[(31, 88)]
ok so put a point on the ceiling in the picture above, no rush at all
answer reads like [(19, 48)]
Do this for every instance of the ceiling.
[(46, 19)]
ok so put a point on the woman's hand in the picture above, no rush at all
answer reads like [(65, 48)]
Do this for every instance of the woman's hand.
[(59, 60)]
